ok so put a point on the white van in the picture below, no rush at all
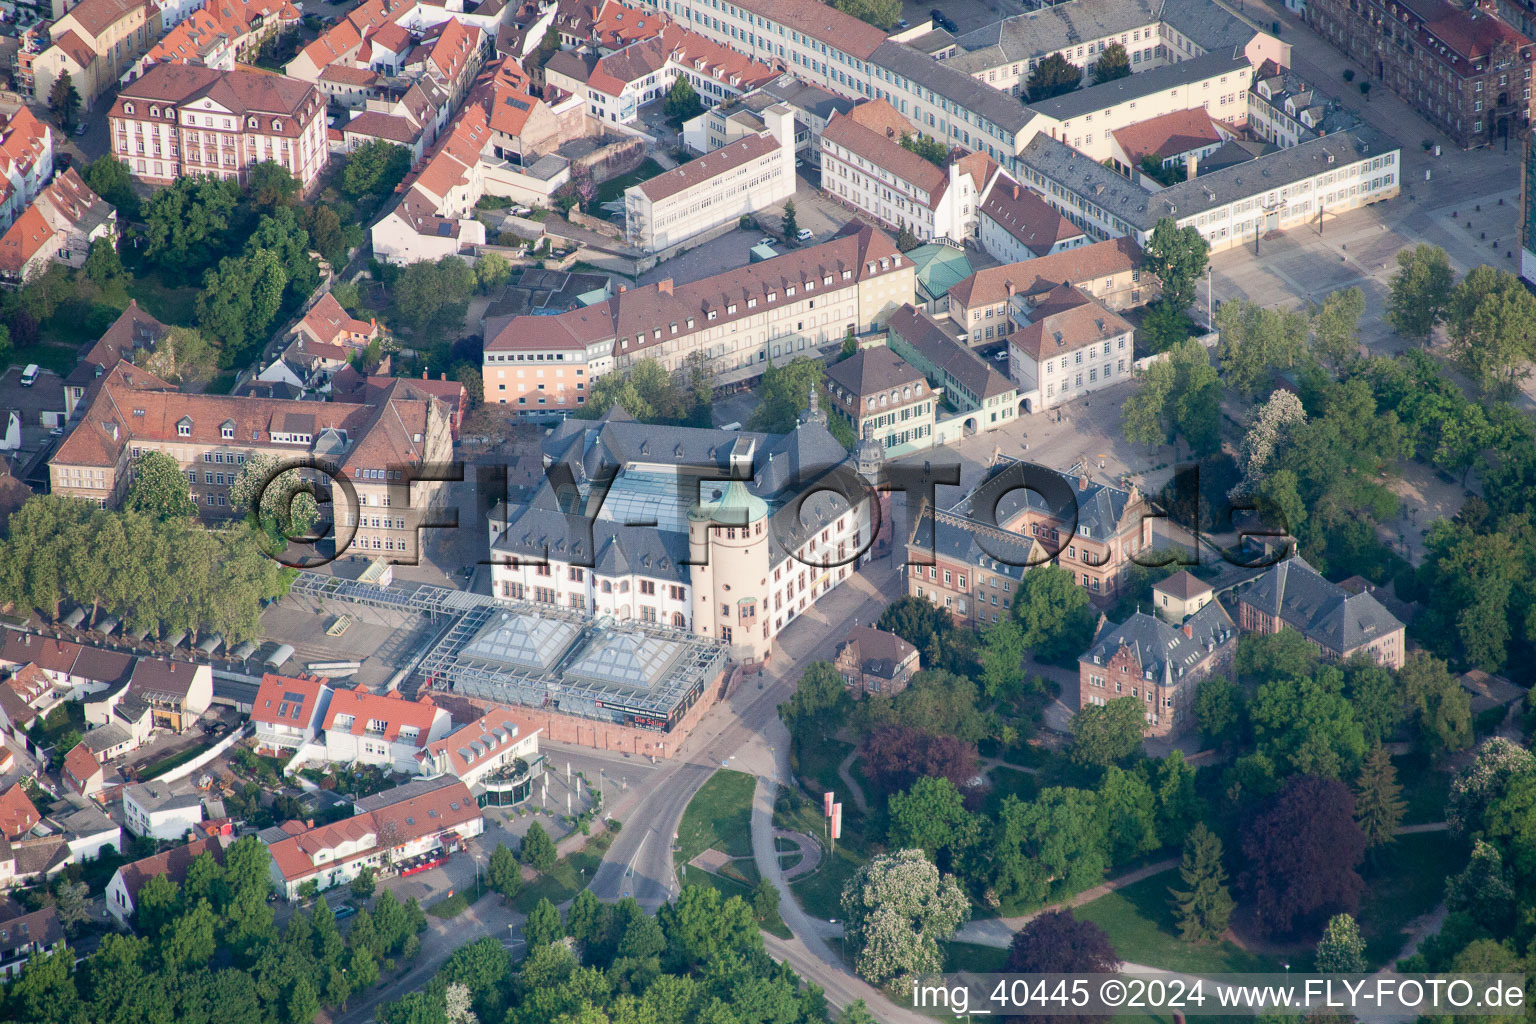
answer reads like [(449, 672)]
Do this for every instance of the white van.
[(30, 374)]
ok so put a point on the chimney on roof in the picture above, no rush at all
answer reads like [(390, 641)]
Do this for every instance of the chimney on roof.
[(1191, 167), (1189, 631), (664, 286), (1082, 482), (1015, 190), (423, 374), (442, 376)]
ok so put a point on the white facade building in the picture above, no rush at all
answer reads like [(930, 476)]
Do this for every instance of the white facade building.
[(717, 188), (160, 811)]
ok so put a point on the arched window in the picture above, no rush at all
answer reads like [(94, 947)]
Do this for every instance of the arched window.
[(277, 125), (127, 108), (154, 111), (250, 122)]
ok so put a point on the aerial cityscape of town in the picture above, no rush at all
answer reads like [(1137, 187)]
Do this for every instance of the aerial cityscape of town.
[(1124, 407)]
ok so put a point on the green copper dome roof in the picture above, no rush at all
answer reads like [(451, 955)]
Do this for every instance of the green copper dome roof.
[(735, 506)]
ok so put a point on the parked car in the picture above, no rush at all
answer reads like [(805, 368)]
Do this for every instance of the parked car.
[(766, 240), (803, 235), (81, 128), (30, 374), (901, 24)]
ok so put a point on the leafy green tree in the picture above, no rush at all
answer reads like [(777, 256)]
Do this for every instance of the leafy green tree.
[(1052, 610), (1482, 889), (1113, 63), (1336, 326), (1053, 76), (503, 873), (583, 921), (1308, 725), (538, 850), (930, 149), (103, 266), (906, 241), (790, 225), (1053, 845), (302, 1002), (69, 903), (269, 185), (1420, 291), (784, 393), (1179, 807), (285, 507), (363, 885), (1179, 397), (183, 356), (931, 817), (240, 299), (109, 178), (765, 899), (818, 705), (433, 297), (1129, 813), (1002, 656), (1341, 950), (683, 103), (1108, 733), (543, 925), (1165, 326), (1256, 340), (1440, 709), (1492, 319), (1219, 709), (327, 234), (374, 169), (185, 223), (1375, 698), (1204, 906), (159, 489), (1378, 802), (64, 100), (701, 925), (897, 909), (1265, 657), (1178, 256)]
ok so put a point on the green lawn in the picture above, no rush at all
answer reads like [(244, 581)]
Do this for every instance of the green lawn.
[(820, 893), (569, 876), (613, 188), (169, 304), (969, 956), (718, 817), (817, 763), (1425, 788), (176, 760), (1407, 882), (1140, 924), (58, 357), (449, 906)]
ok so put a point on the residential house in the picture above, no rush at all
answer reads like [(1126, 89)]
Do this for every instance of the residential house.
[(23, 935), (123, 890), (161, 810), (1341, 625), (1157, 663), (970, 568), (381, 729), (329, 324), (1174, 143), (718, 188), (1284, 110), (94, 43), (1071, 346), (883, 398), (17, 813), (1016, 225), (60, 225), (288, 711), (83, 773), (875, 661), (26, 163), (977, 396), (865, 166), (486, 751), (1180, 596), (993, 303), (175, 692), (389, 829), (184, 119)]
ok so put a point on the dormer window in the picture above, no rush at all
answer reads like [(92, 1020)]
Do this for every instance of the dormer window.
[(127, 108), (154, 111), (277, 125), (251, 122), (184, 427), (227, 431)]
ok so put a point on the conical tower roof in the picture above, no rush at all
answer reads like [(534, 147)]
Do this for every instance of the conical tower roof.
[(735, 506)]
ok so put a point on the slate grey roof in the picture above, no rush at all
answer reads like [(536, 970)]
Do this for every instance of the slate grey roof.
[(1050, 29), (1164, 653), (1147, 83), (400, 794), (805, 96), (939, 348), (880, 653), (538, 532), (105, 737), (1057, 162), (872, 370), (954, 85), (955, 539), (1099, 507), (1324, 612)]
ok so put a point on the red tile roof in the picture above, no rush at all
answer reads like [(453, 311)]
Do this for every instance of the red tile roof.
[(394, 711), (274, 704), (1030, 277), (17, 814), (95, 16), (80, 766), (1027, 217), (327, 320), (1169, 135), (441, 810), (1066, 320), (484, 737), (19, 648), (24, 241)]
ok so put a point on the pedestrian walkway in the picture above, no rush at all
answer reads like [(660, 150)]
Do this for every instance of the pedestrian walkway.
[(998, 931)]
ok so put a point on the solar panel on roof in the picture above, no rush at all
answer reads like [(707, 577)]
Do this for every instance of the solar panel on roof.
[(294, 698)]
